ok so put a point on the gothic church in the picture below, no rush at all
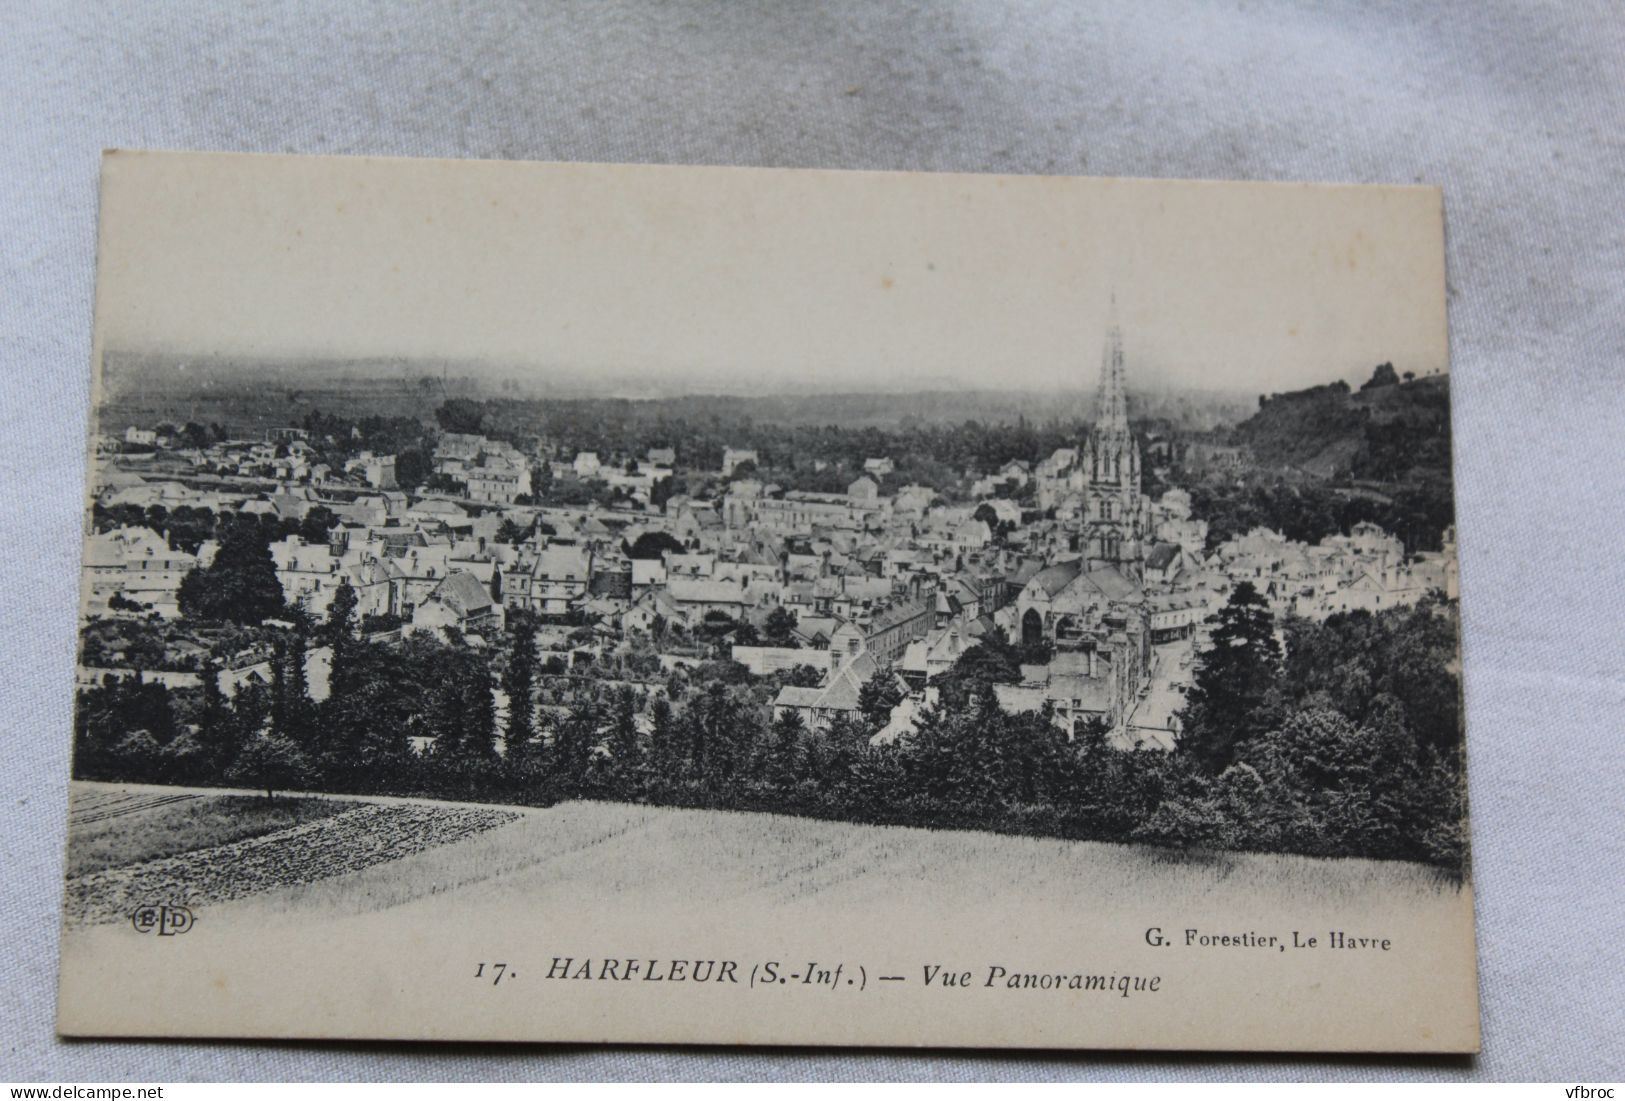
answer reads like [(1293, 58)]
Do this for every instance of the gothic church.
[(1116, 515)]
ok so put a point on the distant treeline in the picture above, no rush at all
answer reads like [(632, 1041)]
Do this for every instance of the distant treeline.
[(1308, 512), (143, 389)]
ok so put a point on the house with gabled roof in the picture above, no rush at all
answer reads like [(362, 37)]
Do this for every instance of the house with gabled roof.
[(837, 697), (650, 608), (459, 601), (934, 654), (700, 596), (1164, 563), (815, 631), (1080, 687), (138, 565)]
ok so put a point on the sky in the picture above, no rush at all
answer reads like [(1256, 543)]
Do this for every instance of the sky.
[(751, 280)]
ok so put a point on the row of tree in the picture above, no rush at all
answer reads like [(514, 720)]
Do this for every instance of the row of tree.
[(1307, 513), (1347, 745), (187, 527)]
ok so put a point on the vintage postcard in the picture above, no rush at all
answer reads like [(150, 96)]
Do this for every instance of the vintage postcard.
[(703, 605)]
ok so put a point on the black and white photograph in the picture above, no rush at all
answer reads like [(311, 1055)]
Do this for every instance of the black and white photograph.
[(769, 607)]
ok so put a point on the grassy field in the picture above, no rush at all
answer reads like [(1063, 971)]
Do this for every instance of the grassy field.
[(611, 860), (319, 859), (109, 832)]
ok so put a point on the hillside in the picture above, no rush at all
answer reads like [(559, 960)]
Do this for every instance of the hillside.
[(1395, 433)]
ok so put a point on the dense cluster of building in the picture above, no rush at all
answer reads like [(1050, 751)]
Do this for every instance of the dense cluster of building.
[(1115, 585)]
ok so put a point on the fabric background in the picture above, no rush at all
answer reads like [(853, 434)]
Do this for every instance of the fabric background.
[(1514, 108)]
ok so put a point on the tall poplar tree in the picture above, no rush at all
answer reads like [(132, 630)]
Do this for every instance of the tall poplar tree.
[(339, 633), (1233, 676), (479, 709), (518, 681), (214, 720)]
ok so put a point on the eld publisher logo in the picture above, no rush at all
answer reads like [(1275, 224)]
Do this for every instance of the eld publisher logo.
[(165, 920)]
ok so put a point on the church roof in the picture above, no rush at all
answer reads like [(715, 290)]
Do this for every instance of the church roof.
[(1052, 579), (1113, 583), (1026, 571)]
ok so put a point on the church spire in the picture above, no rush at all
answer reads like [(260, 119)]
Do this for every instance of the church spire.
[(1111, 404), (1115, 519)]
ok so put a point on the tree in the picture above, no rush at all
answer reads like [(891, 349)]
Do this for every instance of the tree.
[(250, 712), (412, 466), (279, 688), (654, 545), (272, 762), (787, 759), (661, 492), (293, 712), (458, 711), (317, 523), (376, 700), (518, 680), (878, 695), (779, 628), (625, 744), (460, 415), (214, 718), (1232, 680), (991, 661), (478, 710), (1384, 375), (718, 734), (801, 676), (1184, 821), (440, 717), (541, 481), (340, 626), (138, 756), (573, 743), (240, 585), (667, 752), (121, 728), (339, 633), (510, 532)]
